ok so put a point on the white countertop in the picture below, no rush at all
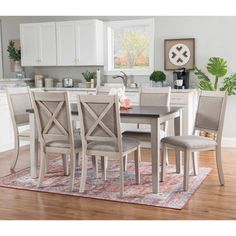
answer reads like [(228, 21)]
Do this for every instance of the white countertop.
[(127, 89)]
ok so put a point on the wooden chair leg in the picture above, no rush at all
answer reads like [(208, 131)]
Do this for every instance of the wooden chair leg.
[(104, 162), (219, 165), (187, 155), (195, 161), (16, 154), (125, 162), (163, 161), (121, 177), (42, 168), (72, 171), (84, 173), (46, 163), (77, 159), (178, 156), (137, 165), (65, 164), (95, 166), (167, 157)]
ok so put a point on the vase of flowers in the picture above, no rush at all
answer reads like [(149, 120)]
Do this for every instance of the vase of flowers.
[(15, 55)]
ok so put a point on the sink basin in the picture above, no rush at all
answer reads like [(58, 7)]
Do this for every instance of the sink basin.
[(114, 85)]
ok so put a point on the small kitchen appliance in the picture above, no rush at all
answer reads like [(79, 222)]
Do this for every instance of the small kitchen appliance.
[(181, 78), (67, 82)]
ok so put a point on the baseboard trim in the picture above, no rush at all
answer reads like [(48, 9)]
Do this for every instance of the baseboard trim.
[(228, 142)]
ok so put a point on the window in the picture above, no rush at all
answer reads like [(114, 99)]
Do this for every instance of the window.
[(130, 47)]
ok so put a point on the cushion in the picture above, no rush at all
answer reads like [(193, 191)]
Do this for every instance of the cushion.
[(127, 143), (190, 141), (65, 144)]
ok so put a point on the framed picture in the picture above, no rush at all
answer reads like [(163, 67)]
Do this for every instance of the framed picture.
[(179, 53)]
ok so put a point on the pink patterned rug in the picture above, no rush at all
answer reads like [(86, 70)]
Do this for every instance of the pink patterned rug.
[(171, 194)]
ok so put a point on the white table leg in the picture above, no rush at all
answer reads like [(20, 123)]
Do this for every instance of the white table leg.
[(178, 132), (33, 146), (155, 142)]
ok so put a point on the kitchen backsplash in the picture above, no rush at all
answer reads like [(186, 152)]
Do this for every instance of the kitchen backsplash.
[(58, 73), (75, 72)]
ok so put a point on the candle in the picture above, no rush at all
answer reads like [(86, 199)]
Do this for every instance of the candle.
[(98, 78)]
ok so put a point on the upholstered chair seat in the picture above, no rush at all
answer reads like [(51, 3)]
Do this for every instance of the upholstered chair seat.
[(190, 142), (65, 143), (127, 144)]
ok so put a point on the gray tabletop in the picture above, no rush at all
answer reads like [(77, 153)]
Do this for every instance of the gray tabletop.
[(150, 111)]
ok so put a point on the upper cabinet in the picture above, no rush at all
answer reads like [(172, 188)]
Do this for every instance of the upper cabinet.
[(38, 44), (69, 43), (80, 43)]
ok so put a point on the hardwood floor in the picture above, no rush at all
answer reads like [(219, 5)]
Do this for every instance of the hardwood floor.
[(211, 201)]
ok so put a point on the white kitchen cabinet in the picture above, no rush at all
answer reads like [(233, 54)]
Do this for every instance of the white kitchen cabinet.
[(66, 43), (6, 134), (79, 43), (187, 100), (38, 44)]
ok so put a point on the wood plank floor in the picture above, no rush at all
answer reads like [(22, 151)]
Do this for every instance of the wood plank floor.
[(211, 201)]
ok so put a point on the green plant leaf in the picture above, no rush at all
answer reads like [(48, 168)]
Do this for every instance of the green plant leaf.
[(88, 76), (157, 76), (206, 85), (200, 74), (229, 85), (14, 54), (217, 66)]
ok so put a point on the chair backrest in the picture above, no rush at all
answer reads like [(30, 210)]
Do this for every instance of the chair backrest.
[(99, 117), (53, 116), (103, 90), (211, 112), (154, 96), (19, 101)]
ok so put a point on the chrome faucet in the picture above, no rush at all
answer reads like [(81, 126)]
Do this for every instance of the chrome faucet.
[(124, 77)]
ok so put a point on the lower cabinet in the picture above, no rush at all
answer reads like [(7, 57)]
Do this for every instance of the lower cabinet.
[(6, 134), (6, 128)]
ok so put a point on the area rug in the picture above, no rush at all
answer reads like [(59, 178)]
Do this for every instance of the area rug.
[(171, 191)]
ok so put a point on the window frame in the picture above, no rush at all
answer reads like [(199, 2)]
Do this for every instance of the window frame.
[(109, 50)]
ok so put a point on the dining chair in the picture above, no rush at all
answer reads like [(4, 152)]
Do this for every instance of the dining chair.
[(105, 90), (55, 130), (19, 101), (99, 117), (209, 117), (153, 96)]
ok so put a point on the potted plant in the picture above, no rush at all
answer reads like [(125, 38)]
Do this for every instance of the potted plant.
[(15, 55), (217, 67), (88, 76), (157, 77)]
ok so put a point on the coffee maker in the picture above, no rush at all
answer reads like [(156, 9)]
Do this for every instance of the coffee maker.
[(181, 78)]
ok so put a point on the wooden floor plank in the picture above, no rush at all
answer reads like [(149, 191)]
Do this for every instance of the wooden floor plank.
[(211, 201)]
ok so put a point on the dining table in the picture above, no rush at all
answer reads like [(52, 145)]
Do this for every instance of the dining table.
[(151, 115)]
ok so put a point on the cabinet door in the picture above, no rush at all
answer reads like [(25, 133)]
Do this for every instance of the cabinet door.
[(66, 43), (89, 46), (6, 137), (47, 44), (29, 36)]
